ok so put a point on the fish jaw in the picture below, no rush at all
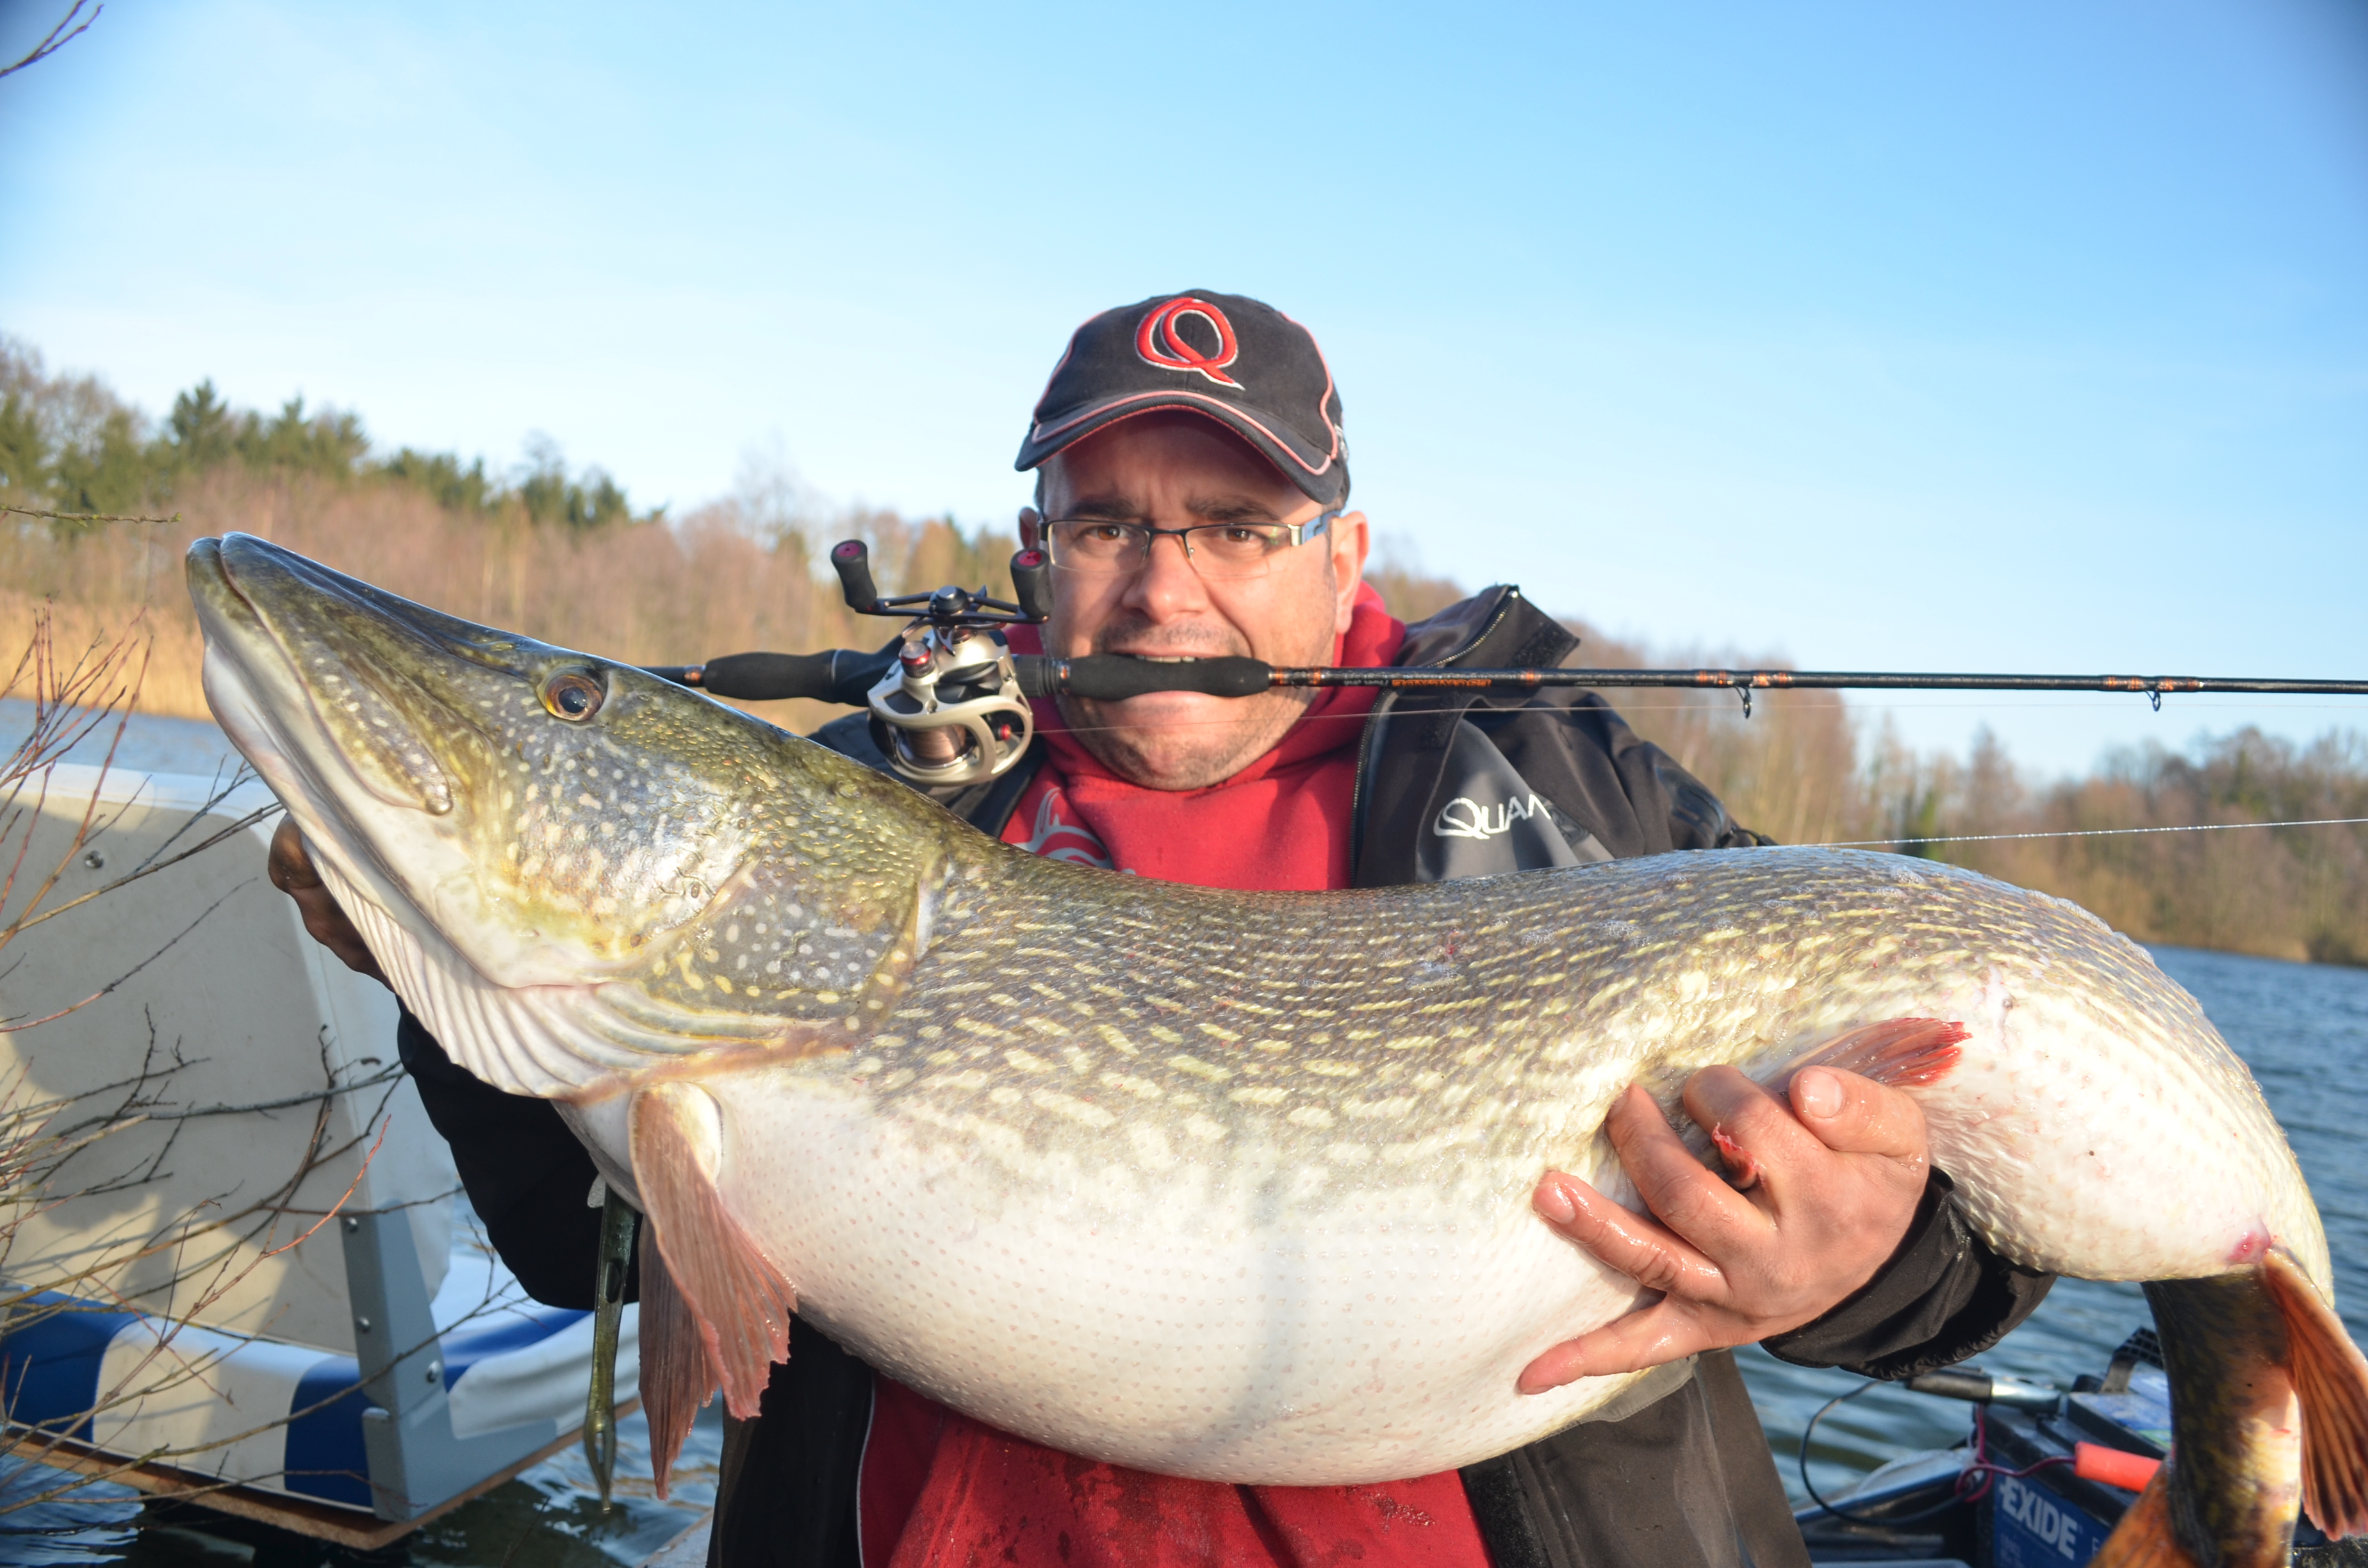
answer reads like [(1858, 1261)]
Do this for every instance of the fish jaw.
[(416, 755), (393, 735)]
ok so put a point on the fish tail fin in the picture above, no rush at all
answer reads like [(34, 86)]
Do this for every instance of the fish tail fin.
[(739, 1299), (2144, 1537), (676, 1377), (1906, 1053), (2330, 1381)]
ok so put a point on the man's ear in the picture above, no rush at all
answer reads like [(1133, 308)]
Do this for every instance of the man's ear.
[(1353, 541)]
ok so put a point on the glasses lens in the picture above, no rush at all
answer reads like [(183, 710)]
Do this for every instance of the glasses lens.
[(1096, 547), (1218, 549), (1237, 550)]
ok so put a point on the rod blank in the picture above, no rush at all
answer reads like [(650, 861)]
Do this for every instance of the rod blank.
[(842, 675)]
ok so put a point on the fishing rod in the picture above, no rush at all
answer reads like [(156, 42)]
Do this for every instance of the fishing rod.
[(954, 696)]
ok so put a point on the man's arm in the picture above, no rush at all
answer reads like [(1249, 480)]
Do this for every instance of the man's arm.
[(525, 1175)]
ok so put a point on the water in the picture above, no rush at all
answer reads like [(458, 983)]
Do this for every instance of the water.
[(2302, 1028), (548, 1517)]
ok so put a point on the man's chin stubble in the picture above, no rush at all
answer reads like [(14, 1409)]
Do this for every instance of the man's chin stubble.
[(1229, 748)]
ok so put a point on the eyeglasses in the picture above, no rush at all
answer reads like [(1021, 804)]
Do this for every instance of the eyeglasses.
[(1098, 547)]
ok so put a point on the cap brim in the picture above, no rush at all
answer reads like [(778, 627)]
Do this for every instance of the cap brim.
[(1322, 477)]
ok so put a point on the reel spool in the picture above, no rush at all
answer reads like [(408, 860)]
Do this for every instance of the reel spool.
[(951, 701)]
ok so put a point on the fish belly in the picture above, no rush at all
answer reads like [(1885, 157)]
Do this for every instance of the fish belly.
[(2082, 1147), (1193, 1321)]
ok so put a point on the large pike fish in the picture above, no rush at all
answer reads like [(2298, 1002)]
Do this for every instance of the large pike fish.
[(1223, 1185)]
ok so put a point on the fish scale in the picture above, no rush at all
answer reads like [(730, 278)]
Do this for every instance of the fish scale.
[(1232, 1185)]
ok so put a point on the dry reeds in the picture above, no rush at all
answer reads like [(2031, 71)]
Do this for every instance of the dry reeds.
[(725, 579)]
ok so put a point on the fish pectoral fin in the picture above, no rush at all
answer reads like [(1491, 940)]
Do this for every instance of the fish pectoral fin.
[(2144, 1537), (676, 1377), (2330, 1383), (1907, 1053), (739, 1299)]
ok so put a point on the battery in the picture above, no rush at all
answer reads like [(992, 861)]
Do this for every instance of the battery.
[(2050, 1518)]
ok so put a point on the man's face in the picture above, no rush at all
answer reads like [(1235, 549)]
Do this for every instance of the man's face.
[(1172, 471)]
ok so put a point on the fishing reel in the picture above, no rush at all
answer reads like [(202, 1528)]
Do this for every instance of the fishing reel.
[(949, 702)]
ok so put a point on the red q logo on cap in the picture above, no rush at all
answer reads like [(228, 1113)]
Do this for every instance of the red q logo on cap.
[(1160, 344)]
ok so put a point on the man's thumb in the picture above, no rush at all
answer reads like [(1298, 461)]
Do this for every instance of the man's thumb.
[(1851, 1115)]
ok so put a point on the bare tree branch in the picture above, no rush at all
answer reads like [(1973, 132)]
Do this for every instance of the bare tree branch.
[(53, 43), (77, 516)]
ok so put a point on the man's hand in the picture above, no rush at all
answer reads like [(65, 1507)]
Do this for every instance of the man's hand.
[(290, 867), (1818, 1195)]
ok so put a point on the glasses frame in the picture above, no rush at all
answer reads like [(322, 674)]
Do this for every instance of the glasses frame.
[(1315, 528)]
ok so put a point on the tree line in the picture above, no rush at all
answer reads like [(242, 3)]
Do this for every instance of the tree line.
[(68, 443), (567, 559)]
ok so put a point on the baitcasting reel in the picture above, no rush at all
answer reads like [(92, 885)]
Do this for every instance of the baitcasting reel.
[(950, 700)]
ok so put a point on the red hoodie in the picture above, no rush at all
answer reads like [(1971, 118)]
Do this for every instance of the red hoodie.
[(938, 1490)]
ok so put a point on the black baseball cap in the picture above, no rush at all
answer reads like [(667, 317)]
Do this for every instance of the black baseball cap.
[(1238, 360)]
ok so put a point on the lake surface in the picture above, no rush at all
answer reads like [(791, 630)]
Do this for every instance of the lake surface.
[(2301, 1027)]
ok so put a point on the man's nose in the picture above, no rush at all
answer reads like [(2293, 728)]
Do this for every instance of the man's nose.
[(1167, 585)]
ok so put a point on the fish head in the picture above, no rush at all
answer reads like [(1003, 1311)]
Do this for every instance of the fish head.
[(550, 818)]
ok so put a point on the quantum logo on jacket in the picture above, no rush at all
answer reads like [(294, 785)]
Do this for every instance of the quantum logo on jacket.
[(1465, 817), (1493, 822)]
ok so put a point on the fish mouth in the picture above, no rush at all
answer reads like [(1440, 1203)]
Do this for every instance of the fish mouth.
[(292, 676), (340, 695)]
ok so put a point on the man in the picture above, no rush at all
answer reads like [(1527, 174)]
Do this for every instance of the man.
[(1192, 489)]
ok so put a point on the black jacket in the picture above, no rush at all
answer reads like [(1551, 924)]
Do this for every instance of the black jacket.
[(1449, 784)]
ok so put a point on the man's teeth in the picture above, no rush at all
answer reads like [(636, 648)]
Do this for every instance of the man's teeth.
[(1168, 658)]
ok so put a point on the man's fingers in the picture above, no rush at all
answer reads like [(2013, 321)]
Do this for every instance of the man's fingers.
[(1748, 1115), (1851, 1115), (290, 867), (1650, 1253), (1646, 1337), (1682, 1195), (289, 864)]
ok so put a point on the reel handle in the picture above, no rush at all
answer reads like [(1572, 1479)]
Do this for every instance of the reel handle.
[(852, 561), (1032, 584)]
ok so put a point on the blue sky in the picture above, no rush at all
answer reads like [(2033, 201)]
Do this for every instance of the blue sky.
[(2016, 335)]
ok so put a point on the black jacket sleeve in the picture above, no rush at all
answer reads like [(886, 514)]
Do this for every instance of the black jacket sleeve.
[(1944, 1296), (525, 1175)]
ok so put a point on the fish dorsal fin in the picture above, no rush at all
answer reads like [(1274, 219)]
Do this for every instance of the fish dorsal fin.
[(2330, 1381), (676, 1379), (739, 1299)]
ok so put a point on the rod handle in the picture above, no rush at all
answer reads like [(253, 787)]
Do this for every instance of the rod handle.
[(1110, 678), (835, 675)]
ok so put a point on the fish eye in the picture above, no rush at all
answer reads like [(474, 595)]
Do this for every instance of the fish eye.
[(572, 696)]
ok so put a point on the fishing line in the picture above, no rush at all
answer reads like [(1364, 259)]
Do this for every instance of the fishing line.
[(2086, 833)]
